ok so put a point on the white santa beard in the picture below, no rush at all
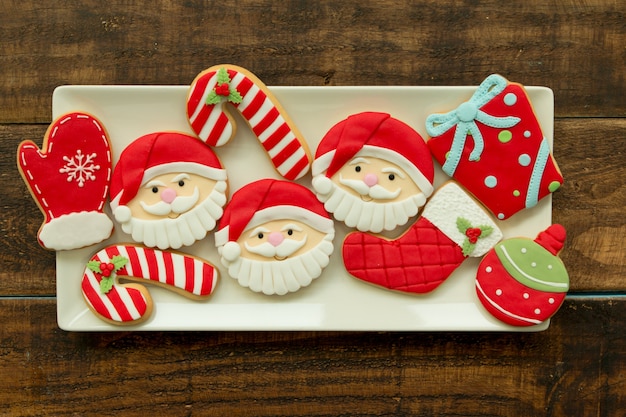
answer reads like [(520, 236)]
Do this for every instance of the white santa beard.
[(369, 216), (282, 277), (184, 230)]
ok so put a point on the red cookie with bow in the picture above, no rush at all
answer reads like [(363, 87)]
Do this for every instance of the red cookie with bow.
[(69, 179), (493, 145)]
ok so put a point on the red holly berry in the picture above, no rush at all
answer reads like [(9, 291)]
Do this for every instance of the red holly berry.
[(473, 233), (222, 90)]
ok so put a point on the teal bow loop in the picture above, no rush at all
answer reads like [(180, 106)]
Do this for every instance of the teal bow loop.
[(464, 119)]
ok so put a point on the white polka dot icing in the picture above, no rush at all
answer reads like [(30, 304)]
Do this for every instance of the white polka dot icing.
[(524, 159), (523, 250), (488, 269), (537, 311), (498, 292), (510, 99), (526, 133), (526, 296), (491, 181)]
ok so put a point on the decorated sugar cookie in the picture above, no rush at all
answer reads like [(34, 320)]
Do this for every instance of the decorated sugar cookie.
[(168, 190), (69, 179), (523, 282), (275, 237), (222, 86), (131, 303), (494, 146), (372, 172), (452, 227)]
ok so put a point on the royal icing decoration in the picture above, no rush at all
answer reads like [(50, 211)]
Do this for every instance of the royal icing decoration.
[(522, 282), (209, 117), (131, 303), (372, 172), (275, 237), (494, 146), (431, 249), (168, 190), (69, 179)]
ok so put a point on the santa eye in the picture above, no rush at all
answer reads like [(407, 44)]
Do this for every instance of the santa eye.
[(181, 183), (155, 190), (260, 235), (391, 177), (357, 168), (290, 232)]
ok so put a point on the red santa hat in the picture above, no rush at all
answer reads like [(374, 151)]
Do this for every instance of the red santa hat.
[(266, 200), (373, 134), (156, 154)]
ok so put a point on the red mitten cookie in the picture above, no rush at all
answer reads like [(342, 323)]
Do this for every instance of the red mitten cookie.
[(493, 146), (131, 303), (208, 116), (523, 282), (452, 227), (69, 178)]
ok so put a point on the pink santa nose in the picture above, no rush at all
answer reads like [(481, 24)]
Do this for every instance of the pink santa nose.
[(370, 180), (168, 195), (275, 238)]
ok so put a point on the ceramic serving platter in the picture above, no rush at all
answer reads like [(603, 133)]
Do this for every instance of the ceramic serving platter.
[(334, 301)]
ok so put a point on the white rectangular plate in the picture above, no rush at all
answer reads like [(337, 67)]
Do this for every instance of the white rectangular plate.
[(334, 301)]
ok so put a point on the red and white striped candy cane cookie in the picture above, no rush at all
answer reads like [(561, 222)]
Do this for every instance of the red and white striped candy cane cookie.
[(210, 119), (130, 303)]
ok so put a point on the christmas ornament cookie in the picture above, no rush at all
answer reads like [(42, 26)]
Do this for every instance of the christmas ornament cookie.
[(131, 303), (452, 227), (168, 190), (372, 172), (219, 87), (523, 282), (494, 146), (275, 237), (69, 179)]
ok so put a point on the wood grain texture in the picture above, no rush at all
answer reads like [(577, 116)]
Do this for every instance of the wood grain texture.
[(575, 368), (575, 48)]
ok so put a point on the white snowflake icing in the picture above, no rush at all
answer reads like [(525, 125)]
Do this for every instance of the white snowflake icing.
[(80, 168)]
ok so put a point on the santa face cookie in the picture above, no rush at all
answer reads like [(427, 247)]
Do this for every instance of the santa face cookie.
[(168, 190), (275, 237), (494, 146), (69, 178), (522, 282), (372, 172)]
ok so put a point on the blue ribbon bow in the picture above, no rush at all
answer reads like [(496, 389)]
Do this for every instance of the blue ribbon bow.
[(464, 118)]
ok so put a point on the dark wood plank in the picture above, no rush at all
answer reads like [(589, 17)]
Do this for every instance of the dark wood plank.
[(575, 48), (575, 368)]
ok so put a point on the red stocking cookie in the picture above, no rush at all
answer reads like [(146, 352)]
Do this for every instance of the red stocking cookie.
[(209, 118), (69, 178), (452, 227), (493, 146), (131, 303), (523, 282)]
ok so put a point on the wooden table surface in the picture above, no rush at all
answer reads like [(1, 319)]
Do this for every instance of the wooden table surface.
[(575, 368)]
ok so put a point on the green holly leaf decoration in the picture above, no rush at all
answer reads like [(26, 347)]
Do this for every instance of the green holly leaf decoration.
[(222, 76), (212, 99), (234, 96), (119, 262), (106, 284), (467, 247), (486, 230), (94, 266), (463, 224)]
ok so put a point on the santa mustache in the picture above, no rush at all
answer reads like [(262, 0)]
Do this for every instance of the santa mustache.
[(285, 249), (377, 192), (180, 204)]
